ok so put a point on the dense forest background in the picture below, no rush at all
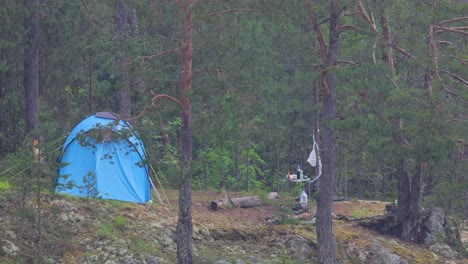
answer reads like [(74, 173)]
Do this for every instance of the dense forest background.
[(401, 92)]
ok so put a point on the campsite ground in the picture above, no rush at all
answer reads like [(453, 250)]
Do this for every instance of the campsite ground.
[(77, 230)]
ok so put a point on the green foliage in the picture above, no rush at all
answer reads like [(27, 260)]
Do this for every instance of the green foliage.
[(106, 230), (5, 185), (256, 78), (360, 213), (120, 222), (448, 195)]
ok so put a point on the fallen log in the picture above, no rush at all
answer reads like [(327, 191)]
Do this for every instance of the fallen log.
[(242, 202)]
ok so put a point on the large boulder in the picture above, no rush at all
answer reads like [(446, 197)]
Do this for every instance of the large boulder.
[(300, 247), (434, 226)]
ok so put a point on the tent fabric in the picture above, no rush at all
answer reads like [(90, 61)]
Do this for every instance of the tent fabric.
[(103, 157)]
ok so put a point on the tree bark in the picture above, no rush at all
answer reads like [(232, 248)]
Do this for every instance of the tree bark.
[(242, 202), (409, 202), (184, 224), (31, 65), (122, 99), (325, 236)]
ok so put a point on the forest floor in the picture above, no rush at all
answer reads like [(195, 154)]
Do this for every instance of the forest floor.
[(77, 230)]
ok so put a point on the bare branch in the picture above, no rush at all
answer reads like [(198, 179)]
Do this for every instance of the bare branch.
[(230, 11), (397, 48), (346, 27), (320, 39), (452, 20), (153, 104), (460, 28), (366, 17), (434, 53), (85, 5), (454, 30), (452, 92), (456, 77), (323, 78), (363, 12), (388, 41), (93, 17), (443, 42), (373, 49), (348, 62), (158, 54)]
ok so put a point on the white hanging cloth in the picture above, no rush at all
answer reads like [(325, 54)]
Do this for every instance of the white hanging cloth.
[(314, 158)]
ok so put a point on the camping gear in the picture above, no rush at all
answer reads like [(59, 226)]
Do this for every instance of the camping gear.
[(303, 199), (103, 158)]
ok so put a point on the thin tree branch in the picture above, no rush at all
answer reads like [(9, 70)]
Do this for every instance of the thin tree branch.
[(348, 27), (366, 17), (230, 11), (323, 78), (452, 20), (460, 28), (446, 29), (456, 77), (397, 48), (444, 42), (93, 17), (348, 62), (158, 54), (153, 104), (320, 39), (363, 11), (388, 41), (452, 92)]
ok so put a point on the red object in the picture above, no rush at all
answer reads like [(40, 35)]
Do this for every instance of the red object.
[(289, 175)]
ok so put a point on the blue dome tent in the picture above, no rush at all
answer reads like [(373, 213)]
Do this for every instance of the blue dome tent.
[(103, 158)]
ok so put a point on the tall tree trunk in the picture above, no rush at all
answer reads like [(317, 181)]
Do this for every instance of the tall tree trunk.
[(31, 65), (122, 99), (325, 237), (184, 224), (90, 88), (409, 202), (409, 186)]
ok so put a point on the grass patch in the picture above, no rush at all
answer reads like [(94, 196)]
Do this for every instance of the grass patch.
[(346, 235), (417, 257), (5, 185), (361, 213), (106, 230), (120, 222)]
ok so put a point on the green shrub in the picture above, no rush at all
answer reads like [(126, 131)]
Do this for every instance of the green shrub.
[(120, 222)]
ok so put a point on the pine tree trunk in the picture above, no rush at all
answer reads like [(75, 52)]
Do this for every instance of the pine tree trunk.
[(31, 66), (325, 236), (122, 97), (184, 224), (409, 203)]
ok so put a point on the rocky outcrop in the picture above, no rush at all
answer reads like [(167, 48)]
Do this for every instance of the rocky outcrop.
[(437, 231)]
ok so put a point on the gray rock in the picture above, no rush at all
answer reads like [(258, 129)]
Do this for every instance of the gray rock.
[(8, 248), (381, 255), (254, 259), (272, 196), (435, 225), (165, 240), (239, 261), (444, 250), (353, 250), (222, 262), (299, 246), (11, 235), (151, 260)]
